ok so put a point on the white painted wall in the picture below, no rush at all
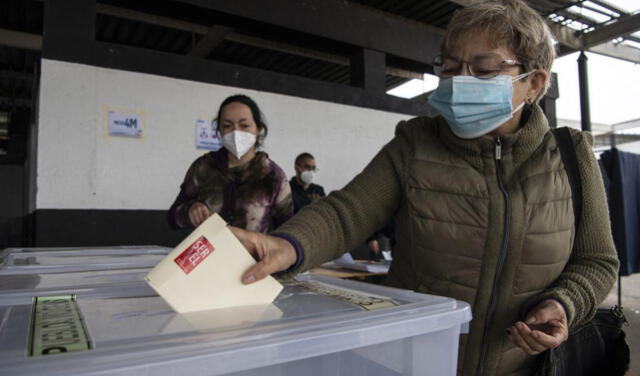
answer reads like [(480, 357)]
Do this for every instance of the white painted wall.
[(81, 167)]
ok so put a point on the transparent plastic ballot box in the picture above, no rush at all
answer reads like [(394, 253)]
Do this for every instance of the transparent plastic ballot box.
[(34, 284), (316, 326), (45, 260)]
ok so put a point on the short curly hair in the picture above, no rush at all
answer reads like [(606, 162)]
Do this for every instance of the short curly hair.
[(509, 22)]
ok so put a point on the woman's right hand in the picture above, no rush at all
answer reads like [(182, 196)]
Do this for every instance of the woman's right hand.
[(198, 213), (272, 253)]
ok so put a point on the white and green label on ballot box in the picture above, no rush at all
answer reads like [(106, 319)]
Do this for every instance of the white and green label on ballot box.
[(56, 326)]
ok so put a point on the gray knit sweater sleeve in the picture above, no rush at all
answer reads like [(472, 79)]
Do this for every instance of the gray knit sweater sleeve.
[(592, 269), (344, 219)]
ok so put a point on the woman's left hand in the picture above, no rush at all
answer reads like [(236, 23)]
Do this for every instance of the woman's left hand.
[(545, 327)]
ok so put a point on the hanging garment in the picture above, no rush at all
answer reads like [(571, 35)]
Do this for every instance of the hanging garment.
[(622, 169)]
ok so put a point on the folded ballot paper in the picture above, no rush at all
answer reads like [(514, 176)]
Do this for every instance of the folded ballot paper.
[(205, 270)]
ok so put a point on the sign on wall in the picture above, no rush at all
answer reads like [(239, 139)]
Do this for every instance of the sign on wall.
[(206, 135), (124, 124)]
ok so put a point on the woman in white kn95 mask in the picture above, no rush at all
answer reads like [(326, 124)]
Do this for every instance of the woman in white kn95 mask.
[(483, 204), (238, 182)]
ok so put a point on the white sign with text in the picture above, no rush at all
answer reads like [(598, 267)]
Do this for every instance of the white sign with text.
[(125, 124)]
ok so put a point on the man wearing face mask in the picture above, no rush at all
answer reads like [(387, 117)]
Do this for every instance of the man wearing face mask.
[(303, 189)]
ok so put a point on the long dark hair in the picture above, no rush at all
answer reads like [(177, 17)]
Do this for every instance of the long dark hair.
[(258, 117)]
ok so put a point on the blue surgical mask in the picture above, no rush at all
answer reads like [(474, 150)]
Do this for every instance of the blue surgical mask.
[(474, 107)]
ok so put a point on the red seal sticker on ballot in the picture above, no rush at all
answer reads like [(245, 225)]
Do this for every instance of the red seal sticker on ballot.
[(194, 255)]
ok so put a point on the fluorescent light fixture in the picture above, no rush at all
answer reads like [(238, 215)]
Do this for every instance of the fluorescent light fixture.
[(415, 87), (600, 8), (589, 14), (630, 6)]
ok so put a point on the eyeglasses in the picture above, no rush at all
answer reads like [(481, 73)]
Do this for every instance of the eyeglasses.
[(480, 66)]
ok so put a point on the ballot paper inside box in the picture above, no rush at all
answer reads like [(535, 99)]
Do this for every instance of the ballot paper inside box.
[(204, 272)]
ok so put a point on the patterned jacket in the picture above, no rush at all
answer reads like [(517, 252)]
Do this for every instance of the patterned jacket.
[(255, 196)]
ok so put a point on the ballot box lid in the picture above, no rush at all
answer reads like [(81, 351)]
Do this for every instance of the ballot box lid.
[(45, 260)]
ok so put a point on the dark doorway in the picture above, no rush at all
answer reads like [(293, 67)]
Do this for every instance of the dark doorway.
[(20, 45), (14, 123)]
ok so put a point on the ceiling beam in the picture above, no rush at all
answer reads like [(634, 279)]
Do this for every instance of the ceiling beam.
[(607, 5), (624, 25), (287, 48), (565, 35), (610, 49), (240, 38), (152, 19), (350, 24), (629, 124), (618, 51), (19, 39), (212, 39), (231, 36), (571, 42)]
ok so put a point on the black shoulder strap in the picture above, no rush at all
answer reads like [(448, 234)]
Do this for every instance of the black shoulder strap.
[(570, 161)]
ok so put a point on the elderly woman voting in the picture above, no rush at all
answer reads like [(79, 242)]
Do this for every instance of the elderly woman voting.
[(481, 200)]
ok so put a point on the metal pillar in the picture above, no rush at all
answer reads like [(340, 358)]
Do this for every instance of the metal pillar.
[(368, 71), (585, 112)]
